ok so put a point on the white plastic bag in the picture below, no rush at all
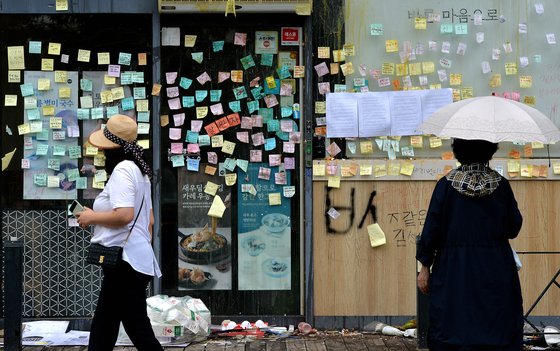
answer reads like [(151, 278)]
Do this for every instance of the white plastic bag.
[(518, 263)]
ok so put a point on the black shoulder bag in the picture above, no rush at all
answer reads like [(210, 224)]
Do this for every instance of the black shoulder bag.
[(108, 257)]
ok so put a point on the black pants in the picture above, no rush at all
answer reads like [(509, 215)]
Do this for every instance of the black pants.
[(122, 299)]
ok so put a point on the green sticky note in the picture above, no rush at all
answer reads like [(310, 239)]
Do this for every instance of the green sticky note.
[(267, 59), (273, 125), (126, 104), (286, 111), (201, 95), (192, 137), (204, 140), (86, 84), (59, 150), (185, 83), (54, 164), (252, 106), (97, 113), (257, 93), (114, 110), (27, 89), (215, 95), (284, 72), (230, 164), (81, 183), (143, 116), (33, 114), (218, 45), (83, 113), (139, 93), (240, 93), (446, 28), (40, 179), (376, 29), (197, 56), (188, 101), (124, 58), (42, 150), (243, 164), (72, 174), (34, 47), (126, 78), (537, 58), (75, 151), (461, 29), (235, 106), (266, 113), (137, 77), (178, 160), (247, 62), (43, 135)]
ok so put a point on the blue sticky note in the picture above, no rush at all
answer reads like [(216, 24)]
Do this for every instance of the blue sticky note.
[(266, 59), (185, 83), (126, 78), (461, 29), (42, 150), (143, 116), (86, 84), (215, 95), (127, 104), (33, 114), (193, 164), (139, 93), (34, 47), (83, 113), (267, 114), (75, 151), (81, 183), (59, 150), (188, 101), (273, 91), (192, 137), (283, 72), (269, 144), (273, 125), (124, 58), (114, 110), (27, 89), (97, 113), (243, 164), (235, 106), (178, 160), (218, 45), (247, 62), (72, 174), (252, 106), (240, 92), (204, 140), (286, 111), (43, 135), (201, 95), (137, 77), (446, 28), (376, 29), (229, 164), (197, 56), (257, 93)]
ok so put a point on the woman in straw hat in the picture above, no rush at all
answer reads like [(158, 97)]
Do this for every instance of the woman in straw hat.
[(475, 294), (125, 198)]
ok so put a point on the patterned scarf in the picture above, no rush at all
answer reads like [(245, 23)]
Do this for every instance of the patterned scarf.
[(474, 180), (130, 147)]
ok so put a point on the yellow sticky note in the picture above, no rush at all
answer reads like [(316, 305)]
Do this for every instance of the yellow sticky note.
[(108, 80), (97, 185), (142, 59), (376, 235), (47, 64), (366, 170), (61, 5), (537, 145), (24, 129), (83, 55), (16, 57), (48, 110), (415, 69), (455, 79), (106, 96), (428, 67), (333, 182), (347, 68), (556, 167), (43, 84), (366, 147), (217, 208), (349, 49), (201, 112), (496, 80), (435, 142), (53, 181), (103, 58), (416, 141), (64, 93), (55, 123), (511, 68), (513, 166), (211, 188), (91, 150), (274, 199), (338, 56), (145, 143), (7, 158), (526, 170), (142, 105), (60, 76), (324, 52), (380, 170), (319, 170), (228, 147), (54, 48), (14, 76), (467, 92), (420, 23), (525, 81), (99, 160), (391, 45), (10, 100), (118, 93), (334, 68), (190, 40), (388, 68), (394, 169), (270, 82), (402, 69), (320, 107), (236, 76), (231, 179), (156, 88), (407, 168)]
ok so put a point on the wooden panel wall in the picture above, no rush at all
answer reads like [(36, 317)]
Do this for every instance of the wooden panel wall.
[(353, 279)]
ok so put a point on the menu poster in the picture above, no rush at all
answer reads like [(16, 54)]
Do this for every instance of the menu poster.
[(264, 232), (204, 255), (49, 176)]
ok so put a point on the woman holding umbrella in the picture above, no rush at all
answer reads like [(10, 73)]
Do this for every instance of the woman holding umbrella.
[(475, 294)]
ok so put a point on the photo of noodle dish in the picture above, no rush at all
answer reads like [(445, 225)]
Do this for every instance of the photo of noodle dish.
[(203, 246)]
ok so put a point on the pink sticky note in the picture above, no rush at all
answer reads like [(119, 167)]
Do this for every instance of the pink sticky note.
[(243, 137), (274, 159), (254, 82), (286, 89), (270, 101), (289, 163), (258, 139), (295, 137), (174, 104), (170, 77), (196, 125), (324, 88), (193, 148), (203, 78), (114, 70), (172, 92), (179, 119), (246, 122), (223, 76), (264, 173), (286, 125), (177, 148), (257, 121), (288, 147), (217, 109), (212, 157), (255, 156), (240, 39), (280, 178), (322, 69), (174, 133)]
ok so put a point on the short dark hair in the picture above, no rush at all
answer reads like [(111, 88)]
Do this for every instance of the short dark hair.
[(473, 151)]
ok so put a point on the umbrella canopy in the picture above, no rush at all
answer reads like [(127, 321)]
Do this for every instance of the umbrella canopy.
[(491, 118)]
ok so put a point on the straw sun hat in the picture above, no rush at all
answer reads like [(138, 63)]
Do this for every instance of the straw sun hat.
[(120, 125)]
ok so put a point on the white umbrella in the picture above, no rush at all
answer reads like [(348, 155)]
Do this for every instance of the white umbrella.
[(491, 118)]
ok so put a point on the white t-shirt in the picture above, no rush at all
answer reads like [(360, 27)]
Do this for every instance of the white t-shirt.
[(125, 188)]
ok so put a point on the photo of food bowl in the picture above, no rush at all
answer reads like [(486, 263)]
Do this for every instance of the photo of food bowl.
[(203, 247), (253, 245), (195, 278), (275, 268), (275, 223)]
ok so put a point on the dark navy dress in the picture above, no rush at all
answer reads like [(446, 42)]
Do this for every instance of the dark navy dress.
[(475, 295)]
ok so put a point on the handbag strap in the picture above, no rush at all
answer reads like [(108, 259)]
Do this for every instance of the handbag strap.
[(133, 224)]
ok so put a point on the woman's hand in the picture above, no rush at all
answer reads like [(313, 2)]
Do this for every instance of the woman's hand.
[(424, 279), (85, 218)]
